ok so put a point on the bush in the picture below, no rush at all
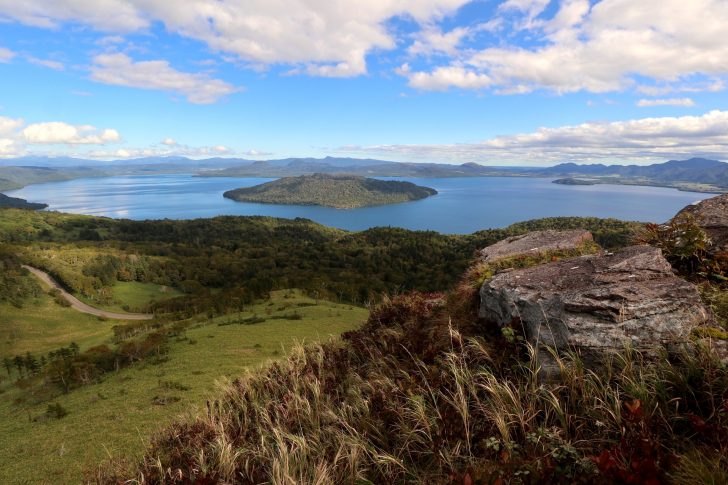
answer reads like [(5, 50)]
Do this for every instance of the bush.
[(56, 411)]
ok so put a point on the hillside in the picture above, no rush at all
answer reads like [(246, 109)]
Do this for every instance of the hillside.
[(453, 387), (220, 292), (696, 174), (17, 203), (338, 191)]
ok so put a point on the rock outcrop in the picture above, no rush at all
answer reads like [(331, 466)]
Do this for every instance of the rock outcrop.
[(534, 243), (596, 304), (712, 216)]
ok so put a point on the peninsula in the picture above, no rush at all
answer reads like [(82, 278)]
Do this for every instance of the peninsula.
[(337, 191)]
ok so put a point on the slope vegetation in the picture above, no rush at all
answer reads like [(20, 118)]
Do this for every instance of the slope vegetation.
[(338, 191)]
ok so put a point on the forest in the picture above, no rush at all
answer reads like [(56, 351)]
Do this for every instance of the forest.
[(223, 262)]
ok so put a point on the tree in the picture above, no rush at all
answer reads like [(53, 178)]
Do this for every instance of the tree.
[(19, 363), (31, 363), (8, 364)]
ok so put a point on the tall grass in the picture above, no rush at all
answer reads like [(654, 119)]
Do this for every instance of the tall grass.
[(386, 406)]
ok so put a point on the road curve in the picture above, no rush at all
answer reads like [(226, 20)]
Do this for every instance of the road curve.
[(77, 304)]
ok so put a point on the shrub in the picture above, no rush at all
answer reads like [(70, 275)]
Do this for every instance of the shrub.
[(56, 411)]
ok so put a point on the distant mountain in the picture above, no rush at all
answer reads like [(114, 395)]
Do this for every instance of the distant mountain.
[(17, 177), (338, 191), (289, 167), (17, 203), (695, 170), (697, 174)]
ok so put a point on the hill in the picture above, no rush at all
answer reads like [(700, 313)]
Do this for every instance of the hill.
[(18, 203), (697, 174), (433, 389), (338, 191), (220, 291)]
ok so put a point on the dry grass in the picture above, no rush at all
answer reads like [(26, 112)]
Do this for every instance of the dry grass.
[(410, 399)]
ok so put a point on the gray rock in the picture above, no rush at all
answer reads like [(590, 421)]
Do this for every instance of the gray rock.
[(712, 215), (596, 305), (535, 243)]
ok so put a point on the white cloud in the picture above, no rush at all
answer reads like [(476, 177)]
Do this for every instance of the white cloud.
[(330, 38), (8, 147), (712, 86), (110, 40), (176, 150), (55, 65), (9, 125), (611, 46), (531, 9), (105, 15), (256, 153), (640, 140), (16, 136), (644, 103), (6, 54), (170, 142), (121, 70), (444, 77), (431, 40), (56, 132)]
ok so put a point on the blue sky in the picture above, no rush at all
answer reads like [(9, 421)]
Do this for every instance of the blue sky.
[(509, 82)]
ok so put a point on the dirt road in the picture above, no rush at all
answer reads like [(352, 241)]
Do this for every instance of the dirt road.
[(81, 306)]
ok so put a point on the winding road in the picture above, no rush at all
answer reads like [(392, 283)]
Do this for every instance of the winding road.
[(80, 306)]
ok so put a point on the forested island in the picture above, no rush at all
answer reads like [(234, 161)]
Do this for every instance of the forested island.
[(574, 181), (337, 191)]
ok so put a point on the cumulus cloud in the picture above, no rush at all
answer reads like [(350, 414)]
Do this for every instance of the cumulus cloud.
[(10, 125), (329, 38), (8, 147), (121, 70), (639, 140), (170, 142), (431, 40), (106, 15), (57, 132), (16, 136), (443, 77), (645, 103), (609, 46)]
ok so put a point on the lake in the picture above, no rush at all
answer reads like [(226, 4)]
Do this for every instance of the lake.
[(463, 205)]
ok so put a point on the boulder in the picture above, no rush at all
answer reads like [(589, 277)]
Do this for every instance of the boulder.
[(535, 243), (596, 305), (712, 216)]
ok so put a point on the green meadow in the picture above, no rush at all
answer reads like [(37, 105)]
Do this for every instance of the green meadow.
[(117, 416)]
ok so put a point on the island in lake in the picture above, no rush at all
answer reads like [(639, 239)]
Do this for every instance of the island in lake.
[(574, 181), (337, 191)]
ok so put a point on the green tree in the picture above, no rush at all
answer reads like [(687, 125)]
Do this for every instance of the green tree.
[(31, 363), (19, 363)]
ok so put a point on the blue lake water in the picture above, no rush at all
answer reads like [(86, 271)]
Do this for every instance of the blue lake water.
[(463, 205)]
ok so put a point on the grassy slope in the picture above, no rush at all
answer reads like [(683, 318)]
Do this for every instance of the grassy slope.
[(134, 295), (117, 416), (42, 325)]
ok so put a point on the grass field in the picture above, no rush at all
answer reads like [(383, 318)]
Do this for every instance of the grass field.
[(42, 325), (116, 416), (133, 296)]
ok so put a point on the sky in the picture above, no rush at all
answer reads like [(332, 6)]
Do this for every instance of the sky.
[(496, 82)]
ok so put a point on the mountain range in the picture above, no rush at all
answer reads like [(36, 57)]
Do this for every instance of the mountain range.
[(698, 174)]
